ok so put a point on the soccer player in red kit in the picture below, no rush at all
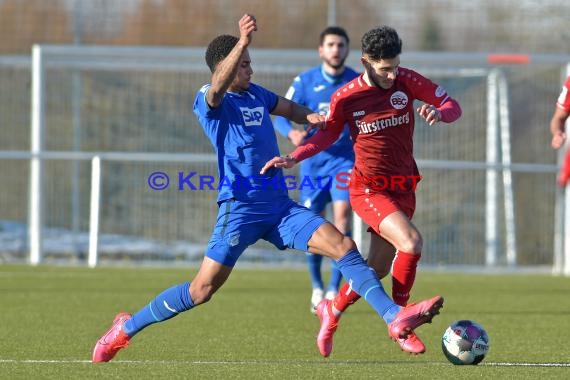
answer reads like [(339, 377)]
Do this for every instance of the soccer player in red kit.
[(378, 108), (557, 128)]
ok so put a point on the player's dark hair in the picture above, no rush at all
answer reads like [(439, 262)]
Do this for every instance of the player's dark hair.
[(335, 30), (219, 49), (381, 43)]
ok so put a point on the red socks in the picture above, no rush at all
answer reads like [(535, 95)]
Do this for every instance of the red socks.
[(345, 297), (403, 276)]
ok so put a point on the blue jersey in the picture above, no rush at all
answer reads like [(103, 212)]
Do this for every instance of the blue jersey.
[(314, 88), (241, 131)]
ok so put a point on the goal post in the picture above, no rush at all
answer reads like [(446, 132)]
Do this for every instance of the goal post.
[(471, 212)]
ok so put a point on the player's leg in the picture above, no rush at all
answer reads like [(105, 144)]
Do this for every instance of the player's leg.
[(315, 200), (401, 321), (222, 254), (389, 215), (371, 208), (404, 236), (327, 240), (220, 258), (342, 217), (395, 226), (304, 230), (380, 257), (211, 276), (166, 305), (381, 254)]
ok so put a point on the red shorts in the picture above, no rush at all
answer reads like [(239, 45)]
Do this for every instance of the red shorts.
[(372, 208)]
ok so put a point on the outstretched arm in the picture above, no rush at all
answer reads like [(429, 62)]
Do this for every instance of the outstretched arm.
[(292, 111), (286, 129), (283, 125), (226, 70), (317, 143)]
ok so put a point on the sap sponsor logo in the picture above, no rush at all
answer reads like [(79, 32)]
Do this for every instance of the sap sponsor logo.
[(439, 91), (399, 100), (252, 116), (358, 113)]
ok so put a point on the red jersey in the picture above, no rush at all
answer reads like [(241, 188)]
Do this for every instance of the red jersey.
[(381, 123), (564, 97)]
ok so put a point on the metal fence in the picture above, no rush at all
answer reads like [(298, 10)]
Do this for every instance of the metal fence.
[(104, 118)]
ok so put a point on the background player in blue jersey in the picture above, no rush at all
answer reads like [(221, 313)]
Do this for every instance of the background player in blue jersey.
[(234, 114), (314, 88)]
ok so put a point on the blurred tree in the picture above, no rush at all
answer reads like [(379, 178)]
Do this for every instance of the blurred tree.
[(29, 22), (196, 22), (430, 39)]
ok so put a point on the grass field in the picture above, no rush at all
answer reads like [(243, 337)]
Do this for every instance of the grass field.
[(258, 327)]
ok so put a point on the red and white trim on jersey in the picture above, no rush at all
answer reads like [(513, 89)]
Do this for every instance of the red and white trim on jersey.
[(381, 124), (564, 97)]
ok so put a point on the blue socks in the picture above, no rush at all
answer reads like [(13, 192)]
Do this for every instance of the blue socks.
[(166, 305), (314, 263), (336, 277), (365, 282), (177, 299)]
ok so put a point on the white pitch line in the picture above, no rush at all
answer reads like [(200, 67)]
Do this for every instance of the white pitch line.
[(169, 362), (184, 362), (259, 362), (527, 364), (39, 361)]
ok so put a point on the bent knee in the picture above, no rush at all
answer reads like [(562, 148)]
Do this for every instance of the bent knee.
[(383, 271), (347, 244), (201, 294), (412, 244), (341, 246), (380, 265)]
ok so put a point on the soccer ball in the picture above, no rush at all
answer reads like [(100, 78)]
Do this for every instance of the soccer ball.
[(465, 342)]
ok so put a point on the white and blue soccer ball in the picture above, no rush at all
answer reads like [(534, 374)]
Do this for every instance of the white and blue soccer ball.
[(465, 342)]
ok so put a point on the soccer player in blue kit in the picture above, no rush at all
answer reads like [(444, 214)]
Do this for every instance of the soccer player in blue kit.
[(234, 113), (313, 88)]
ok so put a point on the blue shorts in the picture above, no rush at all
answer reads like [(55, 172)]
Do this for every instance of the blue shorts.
[(284, 223), (327, 189)]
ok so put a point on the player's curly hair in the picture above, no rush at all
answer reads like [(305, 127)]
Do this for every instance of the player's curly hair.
[(219, 49), (381, 43)]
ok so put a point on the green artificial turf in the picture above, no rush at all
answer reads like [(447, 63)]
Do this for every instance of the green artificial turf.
[(258, 326)]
